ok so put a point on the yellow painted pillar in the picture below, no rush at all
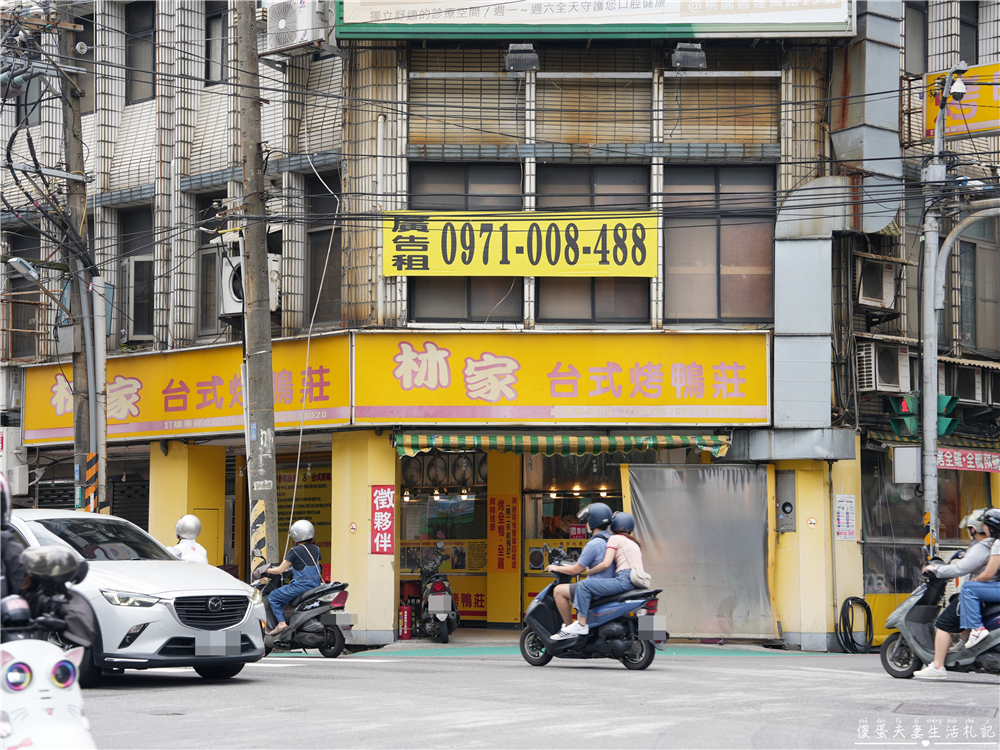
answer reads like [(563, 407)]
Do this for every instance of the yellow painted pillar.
[(849, 552), (188, 479), (995, 490), (503, 584), (360, 460)]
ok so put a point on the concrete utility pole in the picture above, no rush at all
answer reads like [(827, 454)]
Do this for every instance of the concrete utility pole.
[(933, 177), (84, 379), (258, 388)]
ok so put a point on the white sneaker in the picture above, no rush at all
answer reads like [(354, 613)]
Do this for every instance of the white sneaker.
[(976, 636), (571, 631), (930, 672)]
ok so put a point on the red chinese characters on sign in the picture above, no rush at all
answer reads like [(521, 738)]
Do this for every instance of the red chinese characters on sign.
[(578, 531), (383, 519), (968, 460)]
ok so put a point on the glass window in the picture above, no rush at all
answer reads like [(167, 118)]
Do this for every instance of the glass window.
[(208, 283), (25, 301), (140, 51), (967, 285), (465, 187), (216, 41), (323, 212), (103, 540), (86, 61), (718, 243), (592, 299), (136, 248), (915, 41), (968, 31)]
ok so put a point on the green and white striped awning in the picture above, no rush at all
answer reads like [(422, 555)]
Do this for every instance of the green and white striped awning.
[(947, 441), (410, 444)]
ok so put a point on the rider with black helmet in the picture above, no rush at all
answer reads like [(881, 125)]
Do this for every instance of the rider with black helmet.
[(983, 588), (598, 517), (622, 550)]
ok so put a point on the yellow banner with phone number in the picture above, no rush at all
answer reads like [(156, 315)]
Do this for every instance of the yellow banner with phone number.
[(481, 243)]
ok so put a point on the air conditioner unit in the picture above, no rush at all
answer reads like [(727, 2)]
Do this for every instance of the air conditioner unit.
[(875, 282), (463, 469), (232, 282), (967, 384), (297, 24), (883, 367)]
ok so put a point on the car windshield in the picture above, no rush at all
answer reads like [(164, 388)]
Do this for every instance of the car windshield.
[(99, 538)]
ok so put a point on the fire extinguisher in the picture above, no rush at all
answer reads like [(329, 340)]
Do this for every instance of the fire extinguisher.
[(405, 622)]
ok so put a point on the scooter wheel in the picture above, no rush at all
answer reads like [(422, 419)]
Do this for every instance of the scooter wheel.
[(533, 650), (337, 648), (443, 631), (639, 656), (898, 658)]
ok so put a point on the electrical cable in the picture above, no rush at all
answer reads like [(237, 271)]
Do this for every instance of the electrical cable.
[(844, 628)]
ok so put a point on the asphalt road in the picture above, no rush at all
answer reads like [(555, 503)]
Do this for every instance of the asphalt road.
[(487, 696)]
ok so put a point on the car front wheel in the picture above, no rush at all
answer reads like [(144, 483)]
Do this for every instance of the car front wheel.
[(219, 673)]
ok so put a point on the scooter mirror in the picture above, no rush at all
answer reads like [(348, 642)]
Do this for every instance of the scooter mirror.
[(439, 545)]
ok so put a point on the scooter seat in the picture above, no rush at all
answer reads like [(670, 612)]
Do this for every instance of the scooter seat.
[(625, 595), (321, 589)]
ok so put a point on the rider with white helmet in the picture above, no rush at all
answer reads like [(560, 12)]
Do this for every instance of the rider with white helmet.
[(303, 559), (188, 528)]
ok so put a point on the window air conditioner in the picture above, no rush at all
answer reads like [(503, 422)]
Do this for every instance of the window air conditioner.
[(875, 282), (883, 367), (232, 281), (967, 385), (993, 391), (296, 24)]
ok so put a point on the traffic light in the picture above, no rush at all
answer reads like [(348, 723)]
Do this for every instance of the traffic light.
[(906, 407), (946, 404)]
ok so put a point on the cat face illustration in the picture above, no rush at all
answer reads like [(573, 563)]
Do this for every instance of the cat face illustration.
[(42, 702)]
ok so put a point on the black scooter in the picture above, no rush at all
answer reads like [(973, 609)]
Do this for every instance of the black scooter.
[(623, 626), (318, 618), (903, 653), (438, 614)]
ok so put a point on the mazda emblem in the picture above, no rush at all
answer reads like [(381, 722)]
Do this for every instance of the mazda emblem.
[(214, 604)]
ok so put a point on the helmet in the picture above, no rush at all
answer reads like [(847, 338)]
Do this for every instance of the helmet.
[(188, 527), (302, 531), (991, 518), (974, 521), (7, 501), (598, 515), (622, 523)]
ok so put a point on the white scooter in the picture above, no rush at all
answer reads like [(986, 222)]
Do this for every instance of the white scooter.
[(42, 700)]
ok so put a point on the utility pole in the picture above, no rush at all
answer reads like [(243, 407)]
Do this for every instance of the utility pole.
[(84, 398), (258, 388), (933, 177)]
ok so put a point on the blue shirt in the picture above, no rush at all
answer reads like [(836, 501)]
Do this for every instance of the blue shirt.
[(593, 553)]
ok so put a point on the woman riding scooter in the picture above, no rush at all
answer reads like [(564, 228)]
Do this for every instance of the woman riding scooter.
[(304, 560), (983, 588)]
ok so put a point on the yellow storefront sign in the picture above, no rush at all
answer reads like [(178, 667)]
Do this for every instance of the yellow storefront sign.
[(557, 378), (976, 114), (621, 243), (196, 391)]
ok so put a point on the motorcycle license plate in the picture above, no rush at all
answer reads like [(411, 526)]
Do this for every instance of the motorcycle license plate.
[(652, 627), (217, 643), (439, 604), (343, 620)]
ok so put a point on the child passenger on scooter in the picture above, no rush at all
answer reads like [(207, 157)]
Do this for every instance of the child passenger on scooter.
[(625, 552)]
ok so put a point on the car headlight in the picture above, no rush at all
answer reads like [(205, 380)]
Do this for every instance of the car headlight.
[(122, 599), (256, 597)]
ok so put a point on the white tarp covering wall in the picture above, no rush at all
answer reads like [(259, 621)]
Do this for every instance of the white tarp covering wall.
[(704, 536)]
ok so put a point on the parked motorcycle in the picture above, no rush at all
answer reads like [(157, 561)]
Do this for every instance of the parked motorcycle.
[(42, 700), (318, 620), (906, 651), (438, 615), (623, 626)]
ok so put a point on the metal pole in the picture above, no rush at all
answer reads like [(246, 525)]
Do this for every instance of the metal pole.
[(258, 387), (84, 427), (101, 381), (933, 176)]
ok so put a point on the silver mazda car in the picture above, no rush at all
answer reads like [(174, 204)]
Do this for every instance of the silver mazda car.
[(152, 609)]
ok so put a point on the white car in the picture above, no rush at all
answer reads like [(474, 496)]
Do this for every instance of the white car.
[(152, 609)]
